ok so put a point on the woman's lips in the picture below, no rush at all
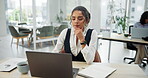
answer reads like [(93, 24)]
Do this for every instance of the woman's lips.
[(76, 25)]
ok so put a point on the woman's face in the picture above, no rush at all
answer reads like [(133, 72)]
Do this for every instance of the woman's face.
[(146, 21), (78, 20)]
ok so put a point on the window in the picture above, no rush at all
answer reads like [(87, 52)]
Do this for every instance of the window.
[(133, 1), (13, 11), (21, 11), (133, 9), (71, 4), (132, 16)]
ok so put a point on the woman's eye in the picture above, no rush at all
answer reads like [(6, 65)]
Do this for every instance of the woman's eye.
[(73, 18), (80, 19), (77, 18)]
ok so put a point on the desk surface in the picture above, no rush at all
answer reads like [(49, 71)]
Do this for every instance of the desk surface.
[(122, 38), (123, 71)]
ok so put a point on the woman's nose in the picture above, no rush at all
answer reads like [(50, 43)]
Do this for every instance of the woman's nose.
[(76, 20)]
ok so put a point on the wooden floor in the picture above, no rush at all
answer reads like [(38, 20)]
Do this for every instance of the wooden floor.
[(118, 51)]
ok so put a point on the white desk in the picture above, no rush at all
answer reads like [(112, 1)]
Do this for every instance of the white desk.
[(121, 38), (123, 71)]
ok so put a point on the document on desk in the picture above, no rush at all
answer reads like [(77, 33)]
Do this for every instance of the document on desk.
[(96, 71), (10, 64)]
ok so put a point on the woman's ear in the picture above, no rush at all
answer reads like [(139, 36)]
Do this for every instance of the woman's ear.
[(87, 21)]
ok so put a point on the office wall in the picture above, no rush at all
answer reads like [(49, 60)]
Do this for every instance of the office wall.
[(3, 29)]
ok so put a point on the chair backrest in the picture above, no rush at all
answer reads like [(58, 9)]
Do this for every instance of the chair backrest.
[(97, 57), (62, 27), (22, 23), (59, 30), (146, 50), (130, 28), (46, 31), (131, 46), (13, 31), (22, 29)]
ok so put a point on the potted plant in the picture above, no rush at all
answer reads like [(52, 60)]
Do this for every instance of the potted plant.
[(59, 17), (121, 22)]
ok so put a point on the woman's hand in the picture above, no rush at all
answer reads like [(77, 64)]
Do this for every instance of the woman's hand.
[(79, 34)]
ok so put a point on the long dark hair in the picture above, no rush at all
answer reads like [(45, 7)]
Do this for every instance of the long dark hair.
[(144, 16), (84, 11)]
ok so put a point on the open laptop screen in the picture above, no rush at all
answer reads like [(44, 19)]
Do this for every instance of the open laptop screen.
[(50, 65), (139, 32)]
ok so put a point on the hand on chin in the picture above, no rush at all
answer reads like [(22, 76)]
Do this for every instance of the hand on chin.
[(77, 27)]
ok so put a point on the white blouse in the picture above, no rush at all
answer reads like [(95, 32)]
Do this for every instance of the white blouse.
[(88, 52)]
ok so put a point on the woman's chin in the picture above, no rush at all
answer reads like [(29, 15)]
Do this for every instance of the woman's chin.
[(76, 27)]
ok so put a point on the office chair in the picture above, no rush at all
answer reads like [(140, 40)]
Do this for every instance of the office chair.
[(130, 46), (46, 32), (59, 29), (146, 50), (97, 57), (22, 30), (17, 35), (146, 55)]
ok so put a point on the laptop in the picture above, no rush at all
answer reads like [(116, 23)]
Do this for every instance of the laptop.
[(139, 32), (51, 65)]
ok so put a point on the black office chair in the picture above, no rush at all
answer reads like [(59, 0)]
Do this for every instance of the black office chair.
[(146, 55), (130, 46)]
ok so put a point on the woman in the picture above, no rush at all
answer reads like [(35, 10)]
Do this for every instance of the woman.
[(143, 21), (76, 39), (142, 24)]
